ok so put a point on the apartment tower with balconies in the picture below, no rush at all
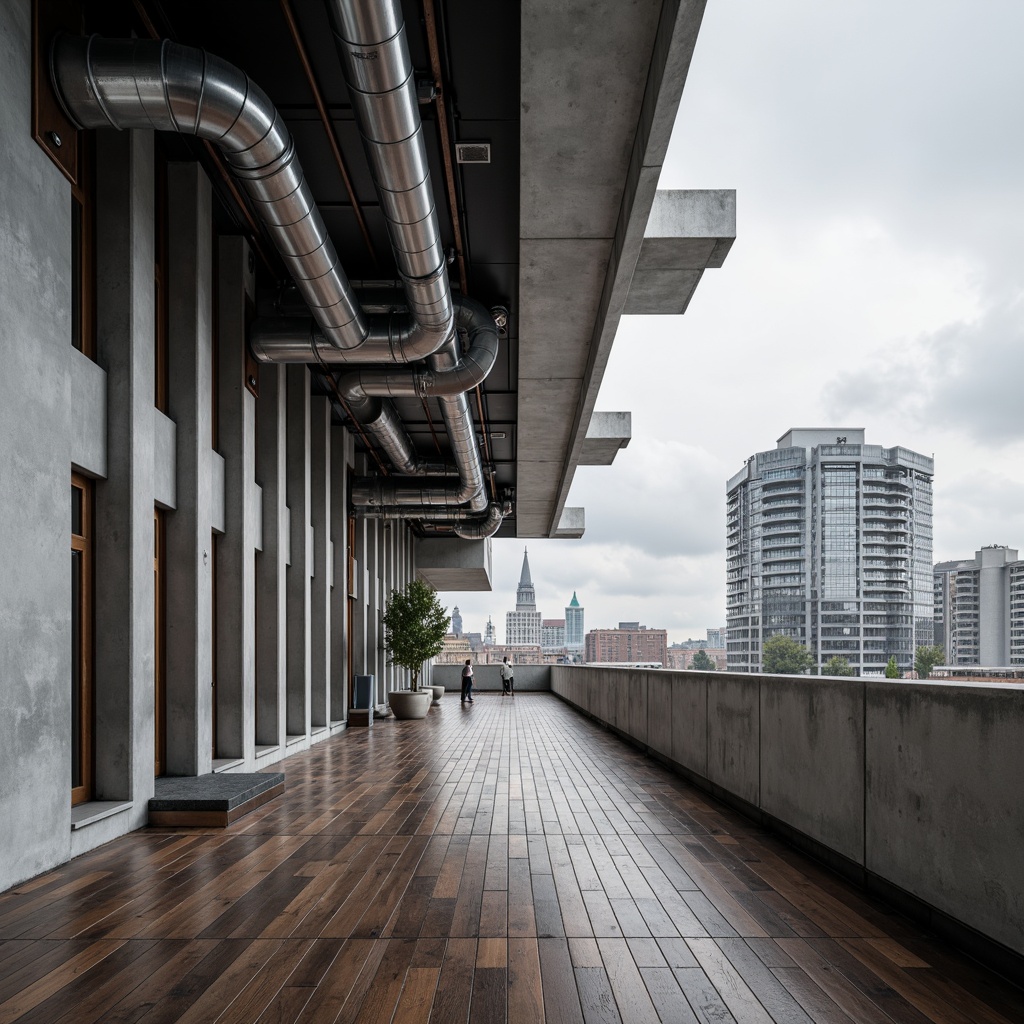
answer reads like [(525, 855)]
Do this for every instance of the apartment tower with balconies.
[(829, 541)]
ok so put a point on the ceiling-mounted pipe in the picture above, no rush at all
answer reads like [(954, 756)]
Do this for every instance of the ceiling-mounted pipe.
[(467, 525), (168, 87), (136, 83)]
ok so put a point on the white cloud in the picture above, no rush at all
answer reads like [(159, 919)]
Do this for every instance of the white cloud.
[(875, 280)]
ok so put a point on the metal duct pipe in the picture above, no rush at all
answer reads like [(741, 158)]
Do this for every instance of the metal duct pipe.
[(452, 377), (468, 525), (468, 371), (374, 54), (135, 83)]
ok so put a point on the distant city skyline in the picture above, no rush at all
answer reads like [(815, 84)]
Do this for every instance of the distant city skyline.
[(845, 298)]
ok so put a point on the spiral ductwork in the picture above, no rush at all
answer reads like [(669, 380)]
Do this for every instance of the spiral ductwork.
[(163, 86)]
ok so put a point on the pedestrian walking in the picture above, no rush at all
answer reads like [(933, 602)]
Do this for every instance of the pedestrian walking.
[(467, 682), (507, 678)]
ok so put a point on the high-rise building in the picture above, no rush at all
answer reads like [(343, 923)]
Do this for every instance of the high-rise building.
[(574, 631), (523, 625), (630, 643), (456, 621), (716, 636), (552, 634), (829, 541), (979, 608), (490, 634)]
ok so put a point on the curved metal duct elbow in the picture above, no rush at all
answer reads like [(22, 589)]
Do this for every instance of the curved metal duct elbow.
[(470, 370), (160, 85), (469, 526)]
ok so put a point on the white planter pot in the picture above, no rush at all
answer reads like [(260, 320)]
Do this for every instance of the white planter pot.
[(438, 693), (410, 703)]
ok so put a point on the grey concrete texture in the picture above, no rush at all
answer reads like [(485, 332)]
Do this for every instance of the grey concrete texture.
[(812, 759), (35, 468), (124, 648), (454, 564), (918, 782), (236, 564), (734, 734), (214, 792), (189, 623), (487, 678), (89, 416), (607, 433), (945, 799)]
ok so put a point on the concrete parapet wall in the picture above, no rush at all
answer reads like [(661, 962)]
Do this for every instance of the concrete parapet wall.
[(487, 677), (913, 788)]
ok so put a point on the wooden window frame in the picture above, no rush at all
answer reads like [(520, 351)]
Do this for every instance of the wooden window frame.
[(83, 543)]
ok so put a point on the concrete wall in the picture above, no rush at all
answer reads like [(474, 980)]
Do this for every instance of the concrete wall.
[(915, 788), (255, 518), (488, 677)]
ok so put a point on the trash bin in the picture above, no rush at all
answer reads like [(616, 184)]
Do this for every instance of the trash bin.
[(361, 712)]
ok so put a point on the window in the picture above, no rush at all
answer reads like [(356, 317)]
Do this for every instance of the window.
[(81, 639)]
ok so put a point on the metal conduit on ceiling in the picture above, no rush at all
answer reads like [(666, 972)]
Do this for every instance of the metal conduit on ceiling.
[(168, 87)]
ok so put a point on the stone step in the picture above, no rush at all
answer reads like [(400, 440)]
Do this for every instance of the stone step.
[(217, 799)]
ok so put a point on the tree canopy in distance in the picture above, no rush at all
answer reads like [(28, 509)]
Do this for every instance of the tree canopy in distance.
[(926, 658), (837, 665), (782, 655), (703, 662)]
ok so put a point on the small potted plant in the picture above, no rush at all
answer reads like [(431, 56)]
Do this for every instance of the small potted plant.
[(415, 625)]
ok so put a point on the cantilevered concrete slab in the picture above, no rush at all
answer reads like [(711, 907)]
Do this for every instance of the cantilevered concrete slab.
[(586, 196), (688, 231), (573, 523), (454, 564), (607, 435)]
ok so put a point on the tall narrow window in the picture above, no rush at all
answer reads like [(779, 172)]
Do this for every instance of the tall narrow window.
[(83, 332), (81, 639)]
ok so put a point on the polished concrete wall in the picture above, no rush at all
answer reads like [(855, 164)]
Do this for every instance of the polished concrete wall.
[(915, 786)]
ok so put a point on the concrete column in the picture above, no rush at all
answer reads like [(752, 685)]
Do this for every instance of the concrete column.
[(377, 602), (320, 515), (298, 574), (360, 662), (339, 638), (124, 603), (189, 536), (38, 390), (236, 549), (270, 564)]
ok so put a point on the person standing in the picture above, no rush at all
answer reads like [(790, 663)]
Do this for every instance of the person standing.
[(467, 681), (507, 678)]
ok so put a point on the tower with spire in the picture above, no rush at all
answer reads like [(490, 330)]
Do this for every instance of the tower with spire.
[(523, 625), (574, 631), (456, 621), (490, 635)]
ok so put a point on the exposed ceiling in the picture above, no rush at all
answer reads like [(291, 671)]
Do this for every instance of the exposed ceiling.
[(576, 99)]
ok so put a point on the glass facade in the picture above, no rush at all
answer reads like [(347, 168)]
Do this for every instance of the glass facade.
[(830, 544)]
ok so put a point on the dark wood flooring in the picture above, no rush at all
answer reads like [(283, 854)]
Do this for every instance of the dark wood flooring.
[(505, 861)]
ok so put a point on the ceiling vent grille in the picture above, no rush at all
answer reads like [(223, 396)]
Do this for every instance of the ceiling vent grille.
[(473, 152)]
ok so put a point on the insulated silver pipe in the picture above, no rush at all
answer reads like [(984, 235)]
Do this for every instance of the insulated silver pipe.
[(453, 377), (467, 525), (160, 85)]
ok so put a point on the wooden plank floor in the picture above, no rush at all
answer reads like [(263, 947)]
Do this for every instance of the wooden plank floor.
[(505, 861)]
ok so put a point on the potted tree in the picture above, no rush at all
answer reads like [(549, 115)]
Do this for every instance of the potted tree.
[(415, 625)]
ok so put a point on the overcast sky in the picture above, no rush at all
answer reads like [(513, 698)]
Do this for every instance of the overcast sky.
[(877, 150)]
